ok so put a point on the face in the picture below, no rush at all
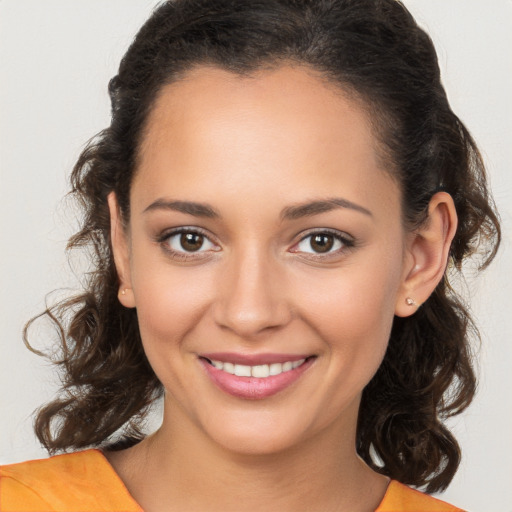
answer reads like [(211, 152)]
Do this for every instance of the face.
[(265, 255)]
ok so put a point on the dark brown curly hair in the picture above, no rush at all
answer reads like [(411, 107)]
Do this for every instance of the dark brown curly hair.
[(371, 48)]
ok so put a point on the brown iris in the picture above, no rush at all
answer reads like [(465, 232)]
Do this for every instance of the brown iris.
[(191, 241), (322, 242)]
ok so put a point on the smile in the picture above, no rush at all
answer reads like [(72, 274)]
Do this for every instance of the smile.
[(260, 371), (255, 381)]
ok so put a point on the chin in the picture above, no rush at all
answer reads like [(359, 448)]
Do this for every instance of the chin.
[(261, 436), (269, 444)]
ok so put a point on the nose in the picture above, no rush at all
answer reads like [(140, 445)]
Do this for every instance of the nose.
[(251, 295)]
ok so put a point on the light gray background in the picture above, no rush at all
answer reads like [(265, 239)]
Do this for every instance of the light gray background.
[(56, 57)]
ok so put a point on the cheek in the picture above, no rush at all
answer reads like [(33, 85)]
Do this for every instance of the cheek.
[(169, 299), (353, 309), (170, 302)]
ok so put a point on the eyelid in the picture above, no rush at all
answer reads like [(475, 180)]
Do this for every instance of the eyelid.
[(163, 238), (347, 241)]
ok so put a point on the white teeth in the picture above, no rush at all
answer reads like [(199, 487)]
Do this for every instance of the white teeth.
[(227, 367), (242, 370), (287, 366), (259, 371), (276, 368)]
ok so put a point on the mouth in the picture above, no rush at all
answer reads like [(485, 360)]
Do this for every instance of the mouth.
[(260, 371), (271, 375)]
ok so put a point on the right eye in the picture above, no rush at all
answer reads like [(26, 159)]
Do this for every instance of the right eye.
[(186, 243)]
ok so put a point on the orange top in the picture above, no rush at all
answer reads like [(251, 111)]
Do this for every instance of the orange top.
[(86, 482)]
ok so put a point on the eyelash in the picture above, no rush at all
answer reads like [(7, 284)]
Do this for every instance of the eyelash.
[(164, 239), (346, 242)]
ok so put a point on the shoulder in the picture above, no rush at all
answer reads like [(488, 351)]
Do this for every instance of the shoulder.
[(77, 481), (400, 498)]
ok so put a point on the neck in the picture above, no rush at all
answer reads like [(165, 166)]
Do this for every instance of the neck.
[(183, 468)]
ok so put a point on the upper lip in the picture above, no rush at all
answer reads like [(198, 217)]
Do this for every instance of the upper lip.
[(253, 359)]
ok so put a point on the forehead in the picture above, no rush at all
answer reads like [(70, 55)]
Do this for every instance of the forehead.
[(287, 126), (207, 91)]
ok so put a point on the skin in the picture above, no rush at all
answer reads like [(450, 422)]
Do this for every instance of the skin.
[(251, 147)]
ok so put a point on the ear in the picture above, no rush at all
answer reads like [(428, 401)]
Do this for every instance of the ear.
[(121, 250), (427, 254)]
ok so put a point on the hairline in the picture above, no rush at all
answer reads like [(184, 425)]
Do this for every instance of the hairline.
[(374, 112)]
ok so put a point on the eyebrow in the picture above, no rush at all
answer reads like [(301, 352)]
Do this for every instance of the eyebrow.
[(294, 212), (321, 206), (189, 207)]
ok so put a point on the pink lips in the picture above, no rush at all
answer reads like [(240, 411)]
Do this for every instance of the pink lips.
[(253, 388), (253, 359)]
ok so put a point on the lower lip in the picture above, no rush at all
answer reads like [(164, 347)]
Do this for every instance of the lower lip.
[(252, 388)]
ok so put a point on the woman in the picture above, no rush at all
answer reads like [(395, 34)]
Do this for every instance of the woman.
[(272, 210)]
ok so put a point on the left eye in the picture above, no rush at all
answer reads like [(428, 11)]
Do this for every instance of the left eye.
[(189, 241), (320, 243)]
